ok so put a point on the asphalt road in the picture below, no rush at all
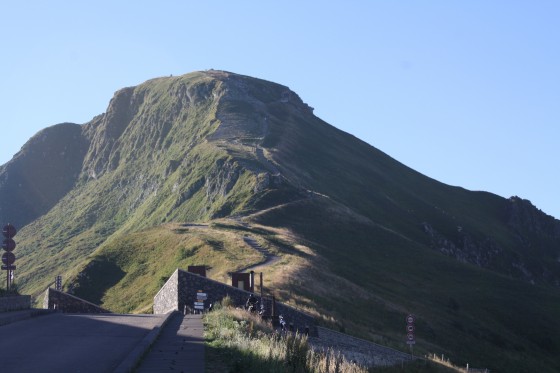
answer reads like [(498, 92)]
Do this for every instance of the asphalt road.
[(72, 342)]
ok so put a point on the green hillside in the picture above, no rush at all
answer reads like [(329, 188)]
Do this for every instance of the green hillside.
[(362, 240)]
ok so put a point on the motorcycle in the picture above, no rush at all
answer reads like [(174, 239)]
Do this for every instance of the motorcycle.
[(252, 307), (282, 323)]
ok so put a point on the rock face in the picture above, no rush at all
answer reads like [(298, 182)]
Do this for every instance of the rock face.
[(535, 234), (525, 219), (539, 235), (465, 249)]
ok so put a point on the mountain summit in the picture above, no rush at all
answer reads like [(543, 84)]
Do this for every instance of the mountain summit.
[(107, 204)]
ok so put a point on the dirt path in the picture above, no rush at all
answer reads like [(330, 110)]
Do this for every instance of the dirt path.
[(269, 258)]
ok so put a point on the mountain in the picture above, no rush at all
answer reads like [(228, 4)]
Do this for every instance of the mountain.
[(362, 239)]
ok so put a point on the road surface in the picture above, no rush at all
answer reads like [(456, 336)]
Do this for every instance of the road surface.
[(72, 342)]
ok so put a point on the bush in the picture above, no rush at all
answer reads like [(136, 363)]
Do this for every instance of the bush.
[(227, 302)]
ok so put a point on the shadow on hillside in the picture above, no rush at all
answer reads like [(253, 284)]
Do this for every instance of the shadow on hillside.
[(99, 276)]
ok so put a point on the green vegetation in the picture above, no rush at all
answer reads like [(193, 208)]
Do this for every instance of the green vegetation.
[(125, 274), (360, 236), (240, 342), (449, 298), (237, 341)]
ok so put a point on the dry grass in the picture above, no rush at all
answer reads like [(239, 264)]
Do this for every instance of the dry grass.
[(242, 342), (441, 360)]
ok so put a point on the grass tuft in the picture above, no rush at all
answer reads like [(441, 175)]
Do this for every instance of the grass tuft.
[(242, 342)]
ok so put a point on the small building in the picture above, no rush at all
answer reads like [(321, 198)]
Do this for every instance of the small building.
[(199, 270), (244, 281)]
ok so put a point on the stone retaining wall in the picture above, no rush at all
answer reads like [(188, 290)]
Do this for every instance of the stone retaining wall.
[(180, 292), (15, 303), (63, 302), (362, 352), (167, 298)]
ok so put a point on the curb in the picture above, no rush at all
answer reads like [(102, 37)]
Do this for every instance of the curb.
[(134, 357), (23, 315)]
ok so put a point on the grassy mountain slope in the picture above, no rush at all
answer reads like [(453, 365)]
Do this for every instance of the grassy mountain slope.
[(363, 239), (148, 162), (355, 277), (476, 225), (29, 186), (467, 312)]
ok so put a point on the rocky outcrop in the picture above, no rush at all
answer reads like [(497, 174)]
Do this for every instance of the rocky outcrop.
[(536, 234), (221, 179), (108, 131), (465, 249), (525, 219)]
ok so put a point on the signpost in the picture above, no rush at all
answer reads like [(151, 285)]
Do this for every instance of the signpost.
[(58, 283), (9, 231), (9, 244), (8, 258), (201, 295), (200, 298), (410, 337)]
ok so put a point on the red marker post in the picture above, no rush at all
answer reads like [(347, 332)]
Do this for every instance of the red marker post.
[(8, 258), (410, 328)]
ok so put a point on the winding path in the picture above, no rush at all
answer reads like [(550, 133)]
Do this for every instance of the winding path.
[(269, 258)]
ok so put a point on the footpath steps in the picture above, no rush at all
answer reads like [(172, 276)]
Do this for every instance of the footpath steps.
[(268, 260), (179, 348)]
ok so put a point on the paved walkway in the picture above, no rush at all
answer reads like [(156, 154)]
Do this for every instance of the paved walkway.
[(72, 343), (179, 348)]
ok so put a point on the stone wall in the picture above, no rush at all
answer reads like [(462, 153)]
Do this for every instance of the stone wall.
[(363, 352), (180, 293), (15, 303), (63, 302), (296, 320), (167, 298)]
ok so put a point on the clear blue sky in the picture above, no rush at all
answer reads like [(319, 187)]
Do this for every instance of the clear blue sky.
[(466, 92)]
